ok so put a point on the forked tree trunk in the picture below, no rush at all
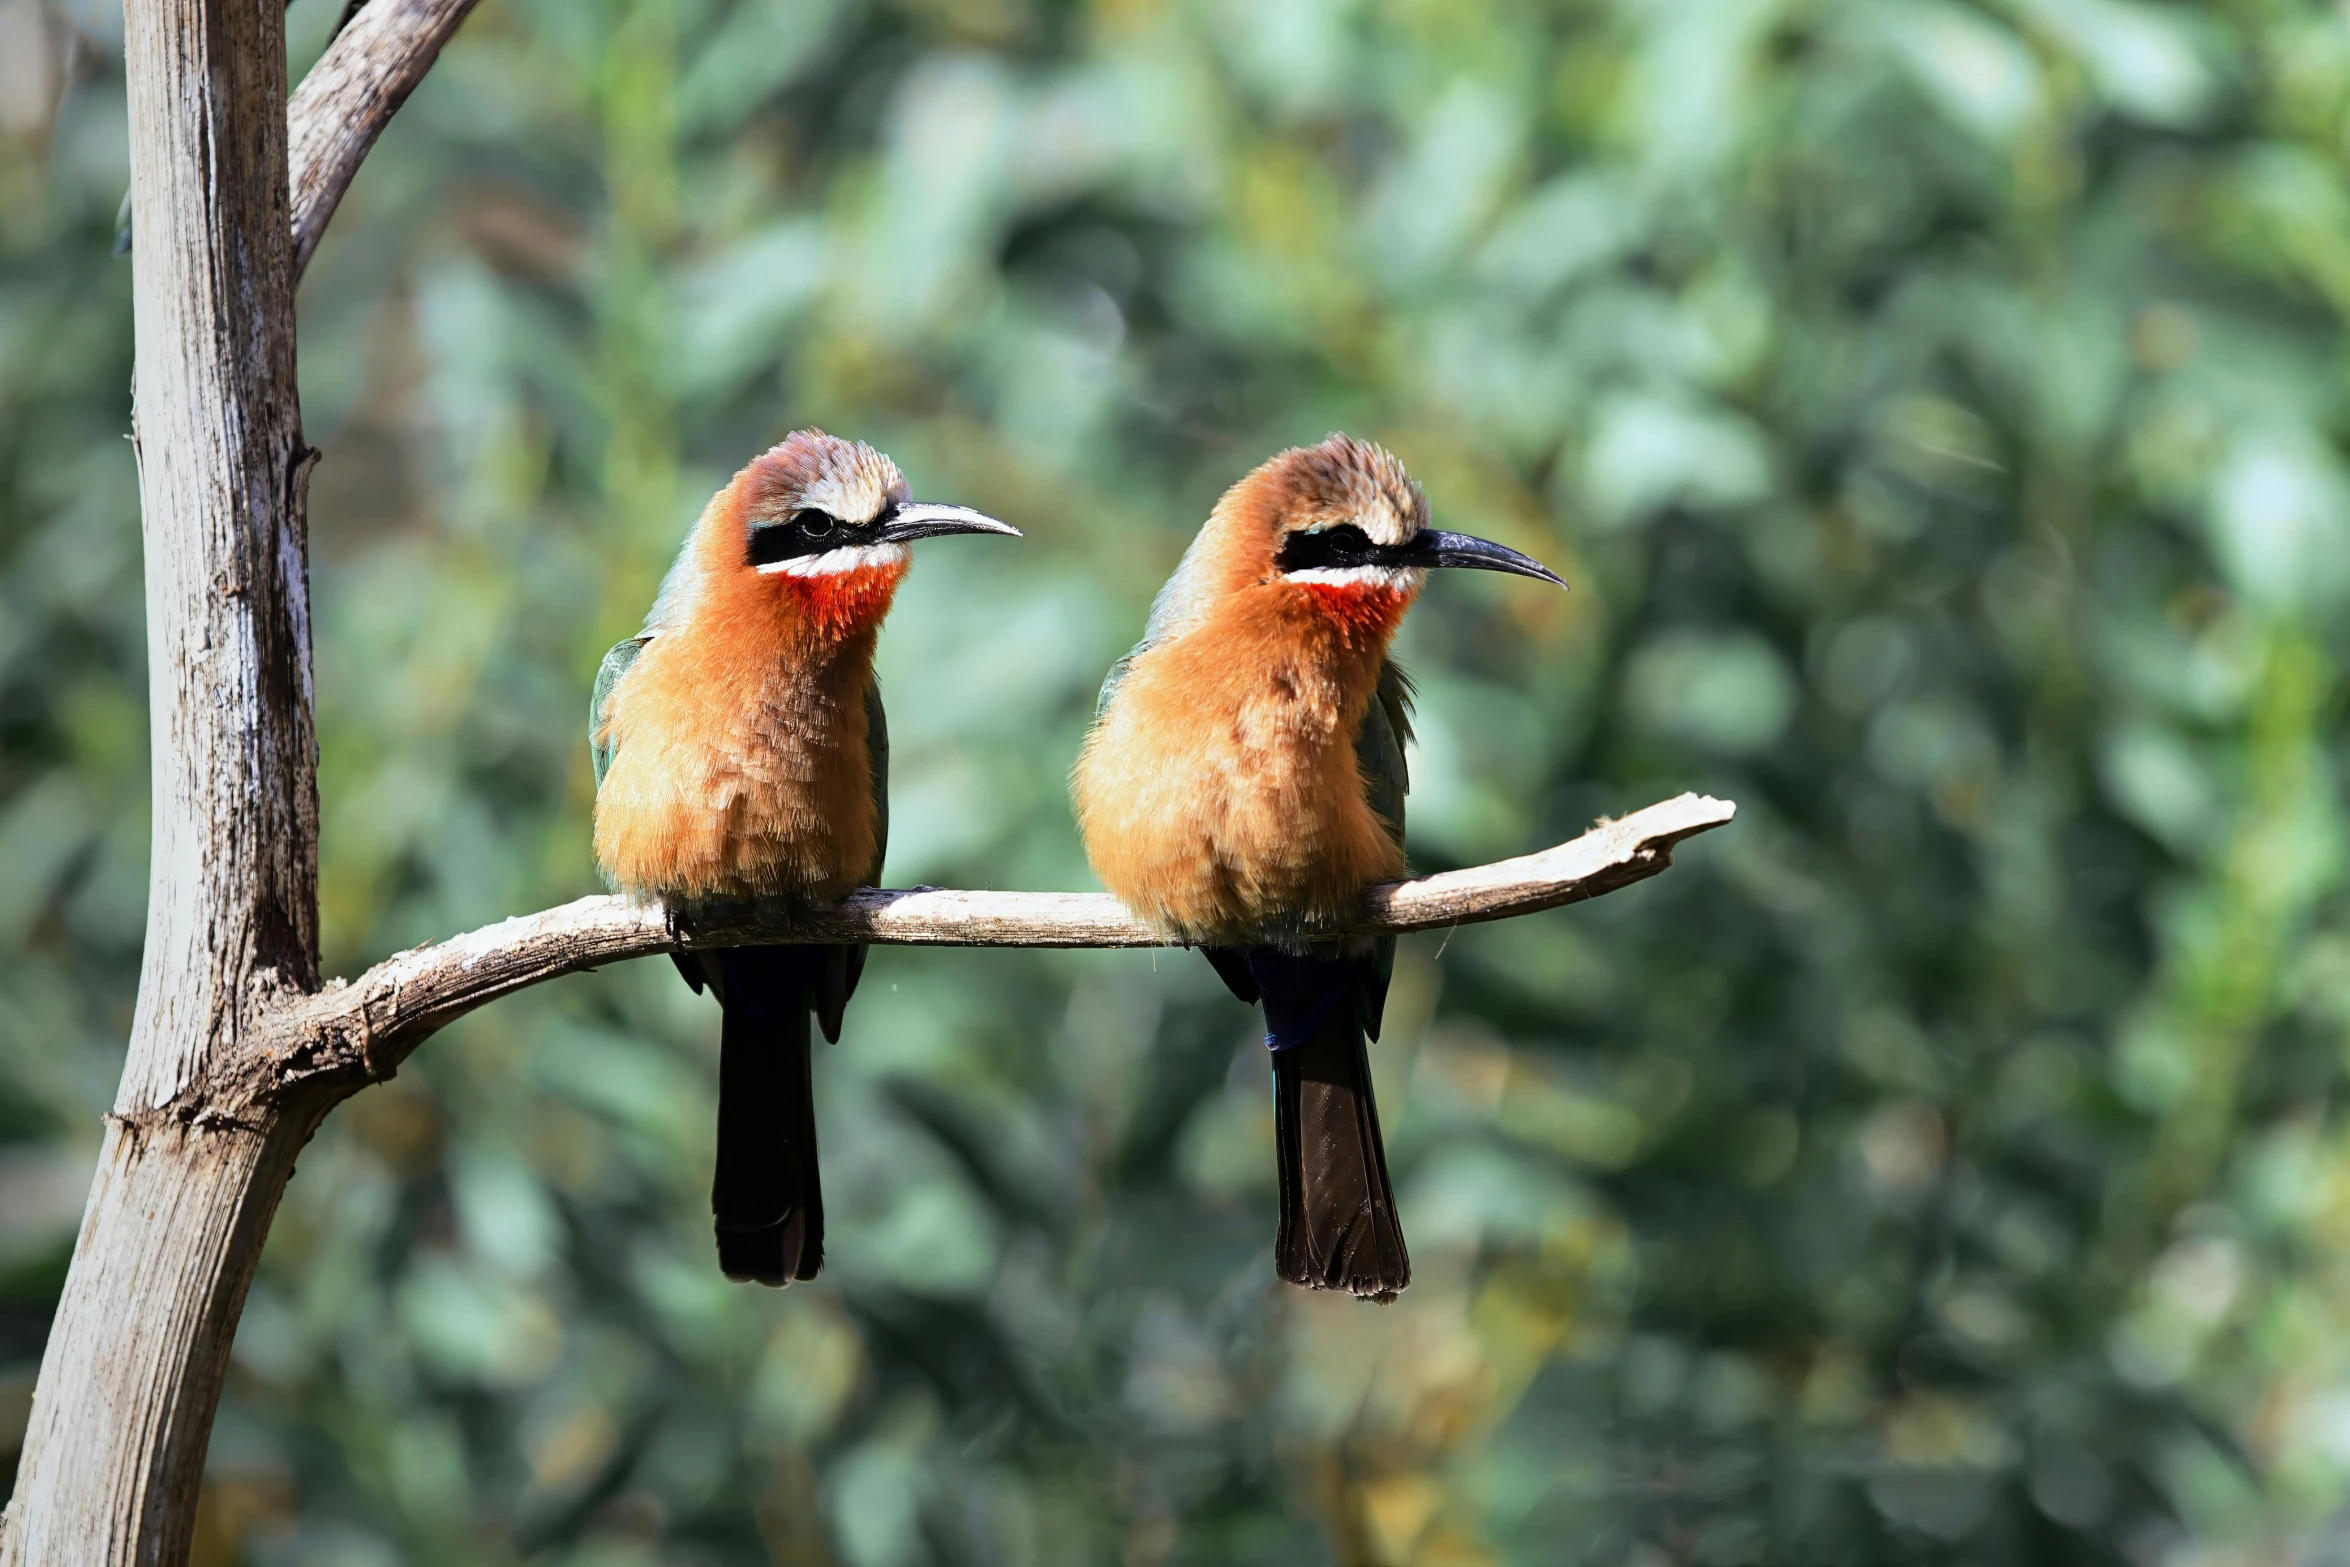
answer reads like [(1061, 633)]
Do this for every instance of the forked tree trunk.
[(188, 1178)]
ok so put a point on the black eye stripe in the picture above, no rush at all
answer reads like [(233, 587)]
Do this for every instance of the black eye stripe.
[(1327, 549), (808, 531)]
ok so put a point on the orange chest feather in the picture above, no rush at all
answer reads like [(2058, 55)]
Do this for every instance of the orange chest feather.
[(1220, 792), (743, 765)]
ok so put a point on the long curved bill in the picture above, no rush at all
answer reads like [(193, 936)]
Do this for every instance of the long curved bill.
[(1435, 547), (926, 520)]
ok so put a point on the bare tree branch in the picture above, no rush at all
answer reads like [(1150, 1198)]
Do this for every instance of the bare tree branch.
[(377, 58), (361, 1030)]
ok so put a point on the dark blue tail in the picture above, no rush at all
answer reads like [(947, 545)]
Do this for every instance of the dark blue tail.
[(1338, 1222), (767, 1196)]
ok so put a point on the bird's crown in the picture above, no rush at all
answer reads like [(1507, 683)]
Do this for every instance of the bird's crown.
[(1339, 481), (812, 471)]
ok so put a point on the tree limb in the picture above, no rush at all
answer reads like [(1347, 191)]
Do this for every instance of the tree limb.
[(350, 95), (360, 1030)]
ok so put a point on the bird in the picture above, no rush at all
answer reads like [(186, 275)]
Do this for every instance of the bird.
[(741, 756), (1244, 781)]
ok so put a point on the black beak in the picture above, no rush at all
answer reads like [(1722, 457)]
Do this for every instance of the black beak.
[(1435, 547), (924, 520)]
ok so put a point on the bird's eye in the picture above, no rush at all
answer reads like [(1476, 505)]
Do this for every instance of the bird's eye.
[(805, 532)]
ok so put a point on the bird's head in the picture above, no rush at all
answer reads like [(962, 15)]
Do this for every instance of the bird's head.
[(1340, 520), (826, 522), (1345, 514)]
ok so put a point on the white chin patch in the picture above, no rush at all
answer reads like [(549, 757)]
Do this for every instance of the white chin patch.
[(870, 557), (1395, 579)]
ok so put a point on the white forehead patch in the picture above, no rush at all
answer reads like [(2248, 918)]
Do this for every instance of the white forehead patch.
[(1363, 504), (852, 497), (1380, 520), (1355, 482), (869, 557)]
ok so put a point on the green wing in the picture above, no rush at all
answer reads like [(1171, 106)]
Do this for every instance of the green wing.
[(602, 747), (1387, 727), (877, 758), (1110, 681), (848, 965)]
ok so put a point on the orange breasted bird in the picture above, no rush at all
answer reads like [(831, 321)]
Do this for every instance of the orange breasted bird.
[(1244, 782), (741, 754)]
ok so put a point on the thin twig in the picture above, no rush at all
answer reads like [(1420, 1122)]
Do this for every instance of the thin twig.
[(378, 55)]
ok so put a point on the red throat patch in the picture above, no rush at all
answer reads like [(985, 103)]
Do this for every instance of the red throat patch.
[(842, 603), (1362, 609)]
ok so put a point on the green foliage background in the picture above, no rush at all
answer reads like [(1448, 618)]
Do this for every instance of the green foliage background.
[(1940, 410)]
